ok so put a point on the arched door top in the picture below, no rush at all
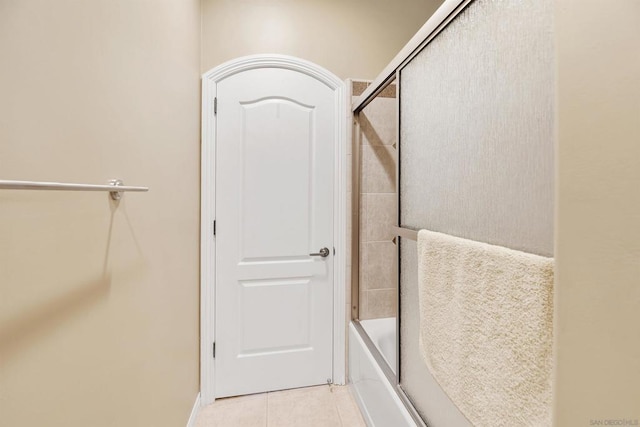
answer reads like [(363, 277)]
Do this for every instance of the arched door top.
[(250, 62)]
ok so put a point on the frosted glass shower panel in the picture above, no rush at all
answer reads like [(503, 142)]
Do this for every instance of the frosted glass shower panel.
[(476, 154), (477, 128)]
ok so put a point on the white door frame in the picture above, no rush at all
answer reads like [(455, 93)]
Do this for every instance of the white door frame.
[(208, 197)]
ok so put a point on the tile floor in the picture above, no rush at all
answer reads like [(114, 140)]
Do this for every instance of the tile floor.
[(321, 406)]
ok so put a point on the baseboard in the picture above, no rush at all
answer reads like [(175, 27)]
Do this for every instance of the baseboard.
[(194, 412)]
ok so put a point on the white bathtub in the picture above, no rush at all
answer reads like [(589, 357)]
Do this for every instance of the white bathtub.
[(383, 334), (378, 401)]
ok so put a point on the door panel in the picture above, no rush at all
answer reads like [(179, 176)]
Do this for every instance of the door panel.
[(274, 206), (291, 298), (278, 136)]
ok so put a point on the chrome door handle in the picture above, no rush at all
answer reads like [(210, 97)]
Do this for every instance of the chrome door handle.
[(324, 252)]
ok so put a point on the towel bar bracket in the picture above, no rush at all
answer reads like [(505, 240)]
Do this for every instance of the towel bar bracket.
[(406, 233), (116, 195)]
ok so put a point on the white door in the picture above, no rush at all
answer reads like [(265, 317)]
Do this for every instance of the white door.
[(274, 208)]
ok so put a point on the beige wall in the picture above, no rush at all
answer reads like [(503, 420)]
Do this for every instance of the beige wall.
[(99, 303), (598, 225), (351, 38)]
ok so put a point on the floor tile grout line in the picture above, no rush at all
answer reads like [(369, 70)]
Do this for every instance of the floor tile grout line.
[(266, 410), (335, 405)]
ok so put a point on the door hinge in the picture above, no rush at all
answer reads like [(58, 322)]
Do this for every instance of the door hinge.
[(214, 349), (215, 105), (214, 227)]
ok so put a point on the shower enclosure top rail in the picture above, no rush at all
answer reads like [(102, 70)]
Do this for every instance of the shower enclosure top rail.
[(442, 16), (115, 187)]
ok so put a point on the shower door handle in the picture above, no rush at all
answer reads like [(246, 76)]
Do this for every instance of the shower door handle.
[(324, 252)]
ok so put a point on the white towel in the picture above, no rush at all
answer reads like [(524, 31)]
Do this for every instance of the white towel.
[(486, 327)]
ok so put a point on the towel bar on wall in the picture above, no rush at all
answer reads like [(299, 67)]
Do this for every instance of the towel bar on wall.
[(61, 186), (405, 233)]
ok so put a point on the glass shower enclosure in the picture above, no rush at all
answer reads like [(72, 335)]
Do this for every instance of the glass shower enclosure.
[(459, 139)]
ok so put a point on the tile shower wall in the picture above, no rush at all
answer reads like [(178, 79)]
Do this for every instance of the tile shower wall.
[(377, 259)]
